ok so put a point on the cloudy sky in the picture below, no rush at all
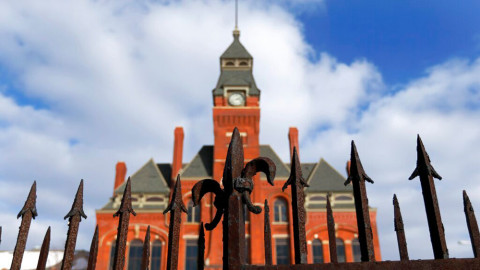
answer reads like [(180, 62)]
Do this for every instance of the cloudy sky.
[(84, 84)]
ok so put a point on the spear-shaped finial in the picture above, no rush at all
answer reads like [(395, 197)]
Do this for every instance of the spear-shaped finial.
[(92, 256), (423, 162), (146, 251), (358, 177), (297, 184), (42, 258), (398, 221), (122, 231), (332, 240), (426, 172), (74, 218), (472, 225), (176, 207), (28, 212)]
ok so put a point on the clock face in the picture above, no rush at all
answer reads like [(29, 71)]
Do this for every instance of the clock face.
[(236, 99)]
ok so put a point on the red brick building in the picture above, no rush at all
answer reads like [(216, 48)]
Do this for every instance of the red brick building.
[(235, 104)]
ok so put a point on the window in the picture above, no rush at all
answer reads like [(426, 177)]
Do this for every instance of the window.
[(193, 213), (192, 252), (282, 249), (343, 198), (155, 199), (280, 211), (318, 198), (112, 253), (156, 255), (357, 253), (317, 249), (243, 63), (230, 63), (340, 250), (135, 255)]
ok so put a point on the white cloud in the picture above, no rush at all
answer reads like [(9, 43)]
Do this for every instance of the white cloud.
[(114, 78)]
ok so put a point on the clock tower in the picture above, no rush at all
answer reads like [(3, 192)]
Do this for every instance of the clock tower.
[(235, 104)]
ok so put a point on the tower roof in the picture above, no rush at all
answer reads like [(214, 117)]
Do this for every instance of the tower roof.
[(236, 49)]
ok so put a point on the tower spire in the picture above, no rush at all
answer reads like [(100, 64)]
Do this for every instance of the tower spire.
[(236, 32)]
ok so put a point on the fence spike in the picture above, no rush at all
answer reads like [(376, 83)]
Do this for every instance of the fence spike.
[(42, 258), (398, 222), (201, 248), (426, 172), (122, 231), (92, 256), (472, 225), (146, 251), (358, 177), (28, 212), (297, 184), (332, 240), (74, 218), (176, 207), (267, 236)]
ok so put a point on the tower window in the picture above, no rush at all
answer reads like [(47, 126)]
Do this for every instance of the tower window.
[(230, 64), (135, 255), (282, 249), (244, 63), (280, 211), (193, 213), (317, 249)]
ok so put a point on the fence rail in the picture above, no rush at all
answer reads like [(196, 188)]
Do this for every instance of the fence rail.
[(229, 202)]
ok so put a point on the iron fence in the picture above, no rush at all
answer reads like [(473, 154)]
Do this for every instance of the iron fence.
[(229, 202)]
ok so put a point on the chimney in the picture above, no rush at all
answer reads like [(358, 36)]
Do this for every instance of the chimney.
[(177, 152), (120, 172), (293, 139)]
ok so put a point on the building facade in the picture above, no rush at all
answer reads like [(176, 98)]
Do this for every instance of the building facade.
[(236, 103)]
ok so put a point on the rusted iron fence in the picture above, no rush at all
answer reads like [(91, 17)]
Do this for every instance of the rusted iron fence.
[(229, 202)]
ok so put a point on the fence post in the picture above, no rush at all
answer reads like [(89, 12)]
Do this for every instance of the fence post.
[(122, 230), (28, 212), (472, 225), (42, 258), (398, 223), (176, 207), (426, 172), (267, 237), (332, 240), (146, 251), (358, 177), (92, 256)]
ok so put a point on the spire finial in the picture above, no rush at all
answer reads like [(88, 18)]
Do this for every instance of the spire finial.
[(236, 32)]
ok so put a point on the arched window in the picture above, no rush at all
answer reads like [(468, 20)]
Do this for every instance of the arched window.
[(156, 255), (280, 211), (357, 253), (230, 63), (191, 256), (193, 213), (135, 255), (282, 249), (317, 249), (243, 63), (112, 253), (340, 250)]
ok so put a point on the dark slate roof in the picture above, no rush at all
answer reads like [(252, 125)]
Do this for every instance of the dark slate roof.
[(236, 50), (236, 78), (282, 170), (166, 171), (147, 179), (325, 178), (307, 169), (201, 164)]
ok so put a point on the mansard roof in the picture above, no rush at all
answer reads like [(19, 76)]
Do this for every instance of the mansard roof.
[(148, 179), (324, 178), (236, 78), (236, 50)]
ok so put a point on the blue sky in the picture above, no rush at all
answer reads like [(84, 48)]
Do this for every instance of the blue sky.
[(402, 38), (85, 84)]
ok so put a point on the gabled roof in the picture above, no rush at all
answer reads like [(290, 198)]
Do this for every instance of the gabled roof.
[(166, 171), (282, 170), (325, 178), (236, 50), (201, 165), (236, 78), (147, 179)]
